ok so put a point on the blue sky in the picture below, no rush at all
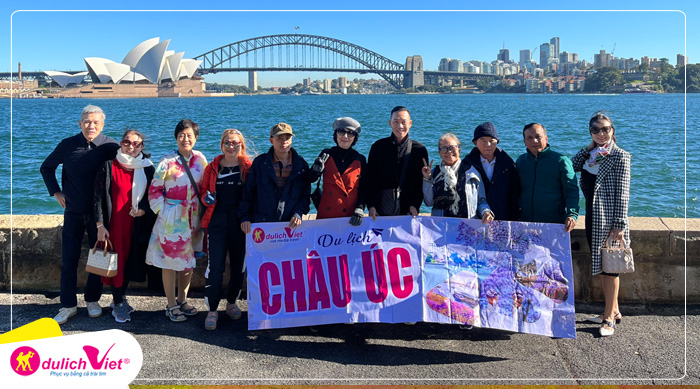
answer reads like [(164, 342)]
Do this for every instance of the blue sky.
[(60, 40)]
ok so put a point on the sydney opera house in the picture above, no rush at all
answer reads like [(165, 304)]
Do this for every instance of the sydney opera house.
[(148, 70)]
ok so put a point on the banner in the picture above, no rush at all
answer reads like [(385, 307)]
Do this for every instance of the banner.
[(506, 275)]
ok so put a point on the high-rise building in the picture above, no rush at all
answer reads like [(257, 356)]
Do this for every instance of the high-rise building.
[(545, 54), (681, 60), (565, 57), (342, 82), (455, 65), (503, 55), (444, 65), (574, 57), (646, 61), (327, 85), (555, 46), (602, 60), (525, 57)]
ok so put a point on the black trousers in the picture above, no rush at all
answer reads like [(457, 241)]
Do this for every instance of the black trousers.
[(74, 227), (225, 237)]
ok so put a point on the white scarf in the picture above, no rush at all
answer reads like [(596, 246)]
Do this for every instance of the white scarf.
[(139, 184), (449, 174)]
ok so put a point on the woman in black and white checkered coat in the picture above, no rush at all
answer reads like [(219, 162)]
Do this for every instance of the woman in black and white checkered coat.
[(605, 183)]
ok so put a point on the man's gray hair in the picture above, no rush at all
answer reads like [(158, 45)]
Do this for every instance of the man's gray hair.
[(92, 109), (449, 135)]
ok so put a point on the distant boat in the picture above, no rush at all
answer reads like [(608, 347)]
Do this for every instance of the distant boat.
[(312, 93), (638, 91)]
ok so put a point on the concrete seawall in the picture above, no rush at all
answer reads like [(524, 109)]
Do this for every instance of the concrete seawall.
[(659, 246)]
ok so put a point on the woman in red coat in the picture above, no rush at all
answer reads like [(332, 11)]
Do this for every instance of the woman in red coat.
[(221, 193), (123, 215)]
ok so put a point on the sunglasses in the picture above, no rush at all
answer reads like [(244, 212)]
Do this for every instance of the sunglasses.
[(605, 129), (232, 143), (349, 133), (127, 143), (448, 149)]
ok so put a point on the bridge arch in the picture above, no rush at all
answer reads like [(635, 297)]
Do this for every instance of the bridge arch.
[(367, 61)]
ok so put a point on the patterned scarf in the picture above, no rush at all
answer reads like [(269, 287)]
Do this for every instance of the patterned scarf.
[(598, 155), (450, 178), (139, 184)]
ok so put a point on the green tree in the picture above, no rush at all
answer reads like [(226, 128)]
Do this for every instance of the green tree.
[(484, 84), (603, 79), (692, 72)]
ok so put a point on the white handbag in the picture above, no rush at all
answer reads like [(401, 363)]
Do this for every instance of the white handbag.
[(617, 260), (103, 263)]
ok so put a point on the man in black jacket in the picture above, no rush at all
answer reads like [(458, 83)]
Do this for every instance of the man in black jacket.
[(497, 170), (394, 184), (81, 156), (276, 189)]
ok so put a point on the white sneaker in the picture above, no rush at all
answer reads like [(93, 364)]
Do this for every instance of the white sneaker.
[(94, 309), (64, 314)]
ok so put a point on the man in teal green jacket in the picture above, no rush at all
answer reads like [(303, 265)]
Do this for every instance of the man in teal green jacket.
[(549, 192)]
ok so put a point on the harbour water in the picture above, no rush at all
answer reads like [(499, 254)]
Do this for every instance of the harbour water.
[(651, 127)]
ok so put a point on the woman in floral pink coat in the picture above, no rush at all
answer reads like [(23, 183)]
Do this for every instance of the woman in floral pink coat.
[(176, 234)]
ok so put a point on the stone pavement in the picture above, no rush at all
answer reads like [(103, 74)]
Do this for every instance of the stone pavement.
[(655, 344)]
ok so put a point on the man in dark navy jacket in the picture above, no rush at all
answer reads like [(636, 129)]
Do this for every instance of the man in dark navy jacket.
[(497, 170), (81, 156), (276, 189)]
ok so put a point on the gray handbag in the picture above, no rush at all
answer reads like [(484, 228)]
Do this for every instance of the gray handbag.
[(617, 260)]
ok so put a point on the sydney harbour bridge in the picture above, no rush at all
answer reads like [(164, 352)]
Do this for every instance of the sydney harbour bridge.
[(313, 53)]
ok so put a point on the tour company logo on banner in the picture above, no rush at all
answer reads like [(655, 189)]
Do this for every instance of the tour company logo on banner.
[(285, 236), (111, 357)]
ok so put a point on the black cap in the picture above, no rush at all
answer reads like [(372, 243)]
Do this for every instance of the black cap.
[(485, 129)]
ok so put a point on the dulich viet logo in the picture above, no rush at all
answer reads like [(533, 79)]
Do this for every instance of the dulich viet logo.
[(25, 361), (258, 235)]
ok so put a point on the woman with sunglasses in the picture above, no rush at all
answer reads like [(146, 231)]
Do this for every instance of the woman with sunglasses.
[(124, 216), (343, 169), (221, 191), (605, 183), (453, 188)]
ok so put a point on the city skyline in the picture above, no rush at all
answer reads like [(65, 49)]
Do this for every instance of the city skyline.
[(56, 40)]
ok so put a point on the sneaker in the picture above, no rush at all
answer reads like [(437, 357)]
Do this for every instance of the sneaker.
[(131, 309), (466, 327), (410, 323), (65, 313), (121, 313), (94, 309), (233, 311)]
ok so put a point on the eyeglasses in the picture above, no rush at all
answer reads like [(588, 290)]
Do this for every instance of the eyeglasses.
[(232, 143), (605, 129), (127, 143), (349, 133), (448, 149)]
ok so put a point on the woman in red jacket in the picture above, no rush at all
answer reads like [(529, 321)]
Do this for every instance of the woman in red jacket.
[(221, 193), (343, 170)]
